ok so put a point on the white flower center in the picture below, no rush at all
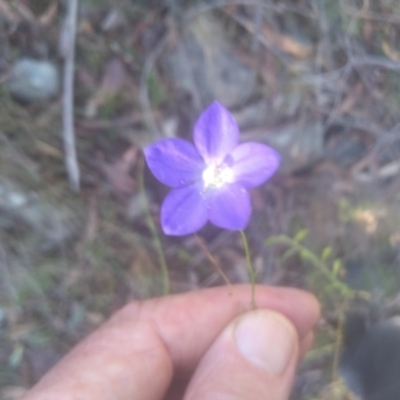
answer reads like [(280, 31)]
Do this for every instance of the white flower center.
[(217, 176)]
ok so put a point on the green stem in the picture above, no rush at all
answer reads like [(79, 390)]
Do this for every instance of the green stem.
[(156, 237), (252, 272)]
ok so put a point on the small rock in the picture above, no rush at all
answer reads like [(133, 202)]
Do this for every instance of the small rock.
[(299, 143), (346, 148), (46, 226), (113, 21), (32, 80), (204, 64)]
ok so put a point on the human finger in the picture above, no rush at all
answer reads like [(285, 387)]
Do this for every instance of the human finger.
[(135, 354), (255, 357)]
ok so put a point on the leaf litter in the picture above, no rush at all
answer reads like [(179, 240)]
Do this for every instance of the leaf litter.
[(334, 108)]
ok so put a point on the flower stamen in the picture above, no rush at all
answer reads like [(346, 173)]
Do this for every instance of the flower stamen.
[(216, 176)]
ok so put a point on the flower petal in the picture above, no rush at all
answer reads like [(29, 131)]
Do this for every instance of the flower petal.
[(230, 207), (184, 211), (254, 163), (216, 133), (174, 162)]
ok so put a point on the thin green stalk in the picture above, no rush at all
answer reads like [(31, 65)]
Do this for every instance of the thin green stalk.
[(339, 339), (336, 283), (345, 291), (252, 272), (154, 232)]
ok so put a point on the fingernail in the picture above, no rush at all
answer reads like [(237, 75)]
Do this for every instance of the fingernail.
[(266, 339)]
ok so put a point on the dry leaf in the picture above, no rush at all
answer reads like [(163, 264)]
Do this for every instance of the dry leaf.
[(114, 20), (286, 43), (390, 52), (268, 37), (48, 150), (118, 173), (113, 81), (48, 16)]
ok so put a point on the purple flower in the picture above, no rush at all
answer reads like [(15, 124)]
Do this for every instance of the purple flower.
[(211, 178)]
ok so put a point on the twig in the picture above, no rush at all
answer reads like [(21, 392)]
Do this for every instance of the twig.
[(376, 61), (68, 95), (279, 8), (5, 280), (387, 18), (198, 258), (263, 39), (212, 259), (325, 46), (323, 77), (361, 123), (7, 12), (258, 22), (335, 111)]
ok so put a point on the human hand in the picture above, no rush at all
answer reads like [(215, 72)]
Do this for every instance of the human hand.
[(206, 344)]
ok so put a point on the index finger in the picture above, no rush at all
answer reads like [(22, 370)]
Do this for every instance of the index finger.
[(135, 353)]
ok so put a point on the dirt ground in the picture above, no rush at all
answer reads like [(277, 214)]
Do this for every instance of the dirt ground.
[(318, 80)]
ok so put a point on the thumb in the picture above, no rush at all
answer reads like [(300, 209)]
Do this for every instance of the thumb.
[(255, 357)]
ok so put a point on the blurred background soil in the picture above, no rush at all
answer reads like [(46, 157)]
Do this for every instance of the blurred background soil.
[(316, 79)]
